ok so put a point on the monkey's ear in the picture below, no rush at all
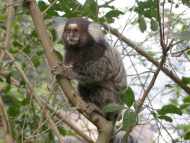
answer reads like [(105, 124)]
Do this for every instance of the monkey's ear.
[(59, 25), (95, 31)]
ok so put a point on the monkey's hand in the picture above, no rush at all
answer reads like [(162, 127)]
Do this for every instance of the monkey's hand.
[(64, 71), (93, 108)]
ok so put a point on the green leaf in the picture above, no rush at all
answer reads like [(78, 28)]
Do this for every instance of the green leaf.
[(188, 52), (40, 52), (142, 23), (186, 99), (185, 35), (27, 50), (36, 61), (109, 16), (114, 13), (184, 106), (129, 120), (169, 109), (42, 5), (113, 107), (90, 9), (186, 80), (14, 110), (186, 2), (146, 8), (17, 43), (154, 114), (13, 50), (166, 118), (184, 126), (187, 136), (127, 96), (154, 25), (51, 12), (70, 7), (26, 101)]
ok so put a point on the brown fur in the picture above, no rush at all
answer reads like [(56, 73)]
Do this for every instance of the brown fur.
[(98, 68)]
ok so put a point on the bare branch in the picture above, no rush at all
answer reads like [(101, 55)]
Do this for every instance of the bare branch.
[(106, 4), (5, 121), (53, 126), (10, 14), (10, 11), (104, 126), (139, 50), (32, 94), (63, 116)]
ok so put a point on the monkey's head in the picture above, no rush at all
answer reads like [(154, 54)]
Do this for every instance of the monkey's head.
[(79, 32)]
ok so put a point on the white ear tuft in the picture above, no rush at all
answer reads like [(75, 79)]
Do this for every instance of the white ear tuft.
[(59, 29), (95, 31), (59, 25)]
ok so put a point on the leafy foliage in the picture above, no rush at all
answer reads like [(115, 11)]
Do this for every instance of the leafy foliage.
[(142, 23), (26, 116), (129, 120), (127, 96), (186, 80), (169, 109), (186, 2), (166, 118), (147, 8), (90, 9)]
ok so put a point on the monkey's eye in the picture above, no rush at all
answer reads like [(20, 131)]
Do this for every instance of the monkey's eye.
[(75, 30)]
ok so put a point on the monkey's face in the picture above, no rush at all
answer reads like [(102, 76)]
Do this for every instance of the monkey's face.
[(72, 34)]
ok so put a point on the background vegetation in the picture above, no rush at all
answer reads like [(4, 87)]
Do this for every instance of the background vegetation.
[(158, 68)]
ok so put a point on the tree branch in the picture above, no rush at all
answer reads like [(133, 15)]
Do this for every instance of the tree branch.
[(33, 96), (9, 15), (43, 104), (104, 126), (63, 116), (6, 124), (139, 50), (10, 12), (53, 126)]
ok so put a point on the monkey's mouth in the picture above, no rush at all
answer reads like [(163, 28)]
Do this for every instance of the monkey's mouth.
[(73, 40)]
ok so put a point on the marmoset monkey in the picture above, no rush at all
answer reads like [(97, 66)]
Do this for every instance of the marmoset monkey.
[(96, 66)]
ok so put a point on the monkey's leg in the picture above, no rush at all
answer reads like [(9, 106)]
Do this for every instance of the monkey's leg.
[(86, 92), (108, 96)]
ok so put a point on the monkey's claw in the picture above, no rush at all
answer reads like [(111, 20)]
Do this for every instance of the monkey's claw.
[(57, 70), (93, 108), (62, 70)]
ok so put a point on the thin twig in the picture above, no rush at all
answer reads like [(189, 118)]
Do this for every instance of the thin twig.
[(7, 44), (5, 121), (31, 94), (179, 53), (63, 116), (53, 126), (139, 50), (106, 3), (50, 6), (41, 103), (151, 84)]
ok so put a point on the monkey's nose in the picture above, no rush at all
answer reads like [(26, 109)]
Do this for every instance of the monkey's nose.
[(71, 34)]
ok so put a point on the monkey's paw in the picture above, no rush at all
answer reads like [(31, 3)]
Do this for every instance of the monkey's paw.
[(93, 108), (62, 70)]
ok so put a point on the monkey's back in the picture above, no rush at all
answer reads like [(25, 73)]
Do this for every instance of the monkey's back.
[(100, 80)]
